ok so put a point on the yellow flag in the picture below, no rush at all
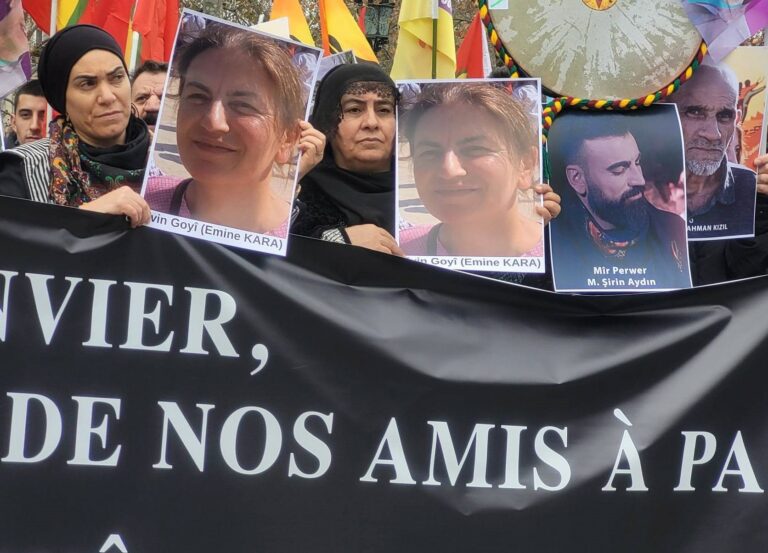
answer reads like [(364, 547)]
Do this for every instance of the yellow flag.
[(340, 31), (297, 23), (413, 55)]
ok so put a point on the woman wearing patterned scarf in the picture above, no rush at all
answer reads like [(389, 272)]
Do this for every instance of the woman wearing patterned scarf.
[(350, 196), (97, 151)]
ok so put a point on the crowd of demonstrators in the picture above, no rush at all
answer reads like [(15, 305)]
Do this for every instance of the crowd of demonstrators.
[(29, 113), (147, 90), (239, 107), (96, 153)]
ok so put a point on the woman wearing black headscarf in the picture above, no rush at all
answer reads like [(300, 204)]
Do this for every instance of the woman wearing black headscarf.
[(350, 196), (97, 151)]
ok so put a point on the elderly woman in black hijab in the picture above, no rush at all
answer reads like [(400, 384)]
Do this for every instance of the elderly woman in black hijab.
[(349, 196), (97, 151)]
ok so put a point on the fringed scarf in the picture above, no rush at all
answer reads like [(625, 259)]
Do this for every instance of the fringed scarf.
[(81, 173)]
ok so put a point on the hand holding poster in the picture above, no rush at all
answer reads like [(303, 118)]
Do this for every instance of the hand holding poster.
[(622, 226), (230, 124), (470, 154)]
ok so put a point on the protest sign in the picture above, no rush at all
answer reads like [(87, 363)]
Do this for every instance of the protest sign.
[(621, 179), (469, 157), (721, 193), (226, 147)]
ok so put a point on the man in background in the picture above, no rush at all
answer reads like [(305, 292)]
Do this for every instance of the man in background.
[(28, 119), (147, 90)]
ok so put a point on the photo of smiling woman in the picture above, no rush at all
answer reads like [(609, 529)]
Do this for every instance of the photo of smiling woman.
[(469, 158), (227, 136)]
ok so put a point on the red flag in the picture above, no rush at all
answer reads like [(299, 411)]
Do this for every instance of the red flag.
[(156, 21), (361, 18), (40, 12), (471, 56), (113, 16)]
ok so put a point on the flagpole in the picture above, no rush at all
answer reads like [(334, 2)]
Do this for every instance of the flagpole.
[(52, 29), (134, 61), (435, 16)]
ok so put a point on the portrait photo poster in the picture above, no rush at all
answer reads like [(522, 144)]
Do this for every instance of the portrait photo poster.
[(469, 155), (621, 178), (722, 111), (224, 158)]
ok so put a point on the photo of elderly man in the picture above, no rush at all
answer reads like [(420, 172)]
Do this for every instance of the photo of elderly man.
[(720, 194)]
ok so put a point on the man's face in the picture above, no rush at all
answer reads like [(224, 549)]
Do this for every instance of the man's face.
[(28, 120), (146, 93), (708, 112), (610, 181)]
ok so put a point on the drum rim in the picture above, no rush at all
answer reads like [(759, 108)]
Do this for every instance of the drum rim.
[(517, 70)]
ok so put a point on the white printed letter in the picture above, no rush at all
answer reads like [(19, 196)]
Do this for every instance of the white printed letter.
[(98, 337), (19, 428), (441, 435), (137, 316), (312, 444), (85, 429), (689, 457), (398, 461), (214, 327), (512, 465), (42, 296), (195, 446), (551, 458), (7, 276), (743, 468), (273, 440)]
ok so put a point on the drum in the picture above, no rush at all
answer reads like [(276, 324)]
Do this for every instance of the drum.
[(607, 49)]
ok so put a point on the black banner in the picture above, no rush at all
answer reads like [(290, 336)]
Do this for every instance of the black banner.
[(162, 394)]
